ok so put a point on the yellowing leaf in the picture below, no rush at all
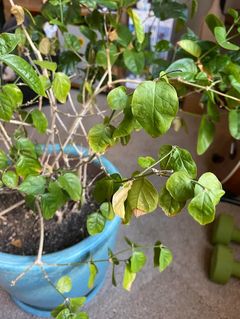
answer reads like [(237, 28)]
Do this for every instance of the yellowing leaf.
[(119, 198)]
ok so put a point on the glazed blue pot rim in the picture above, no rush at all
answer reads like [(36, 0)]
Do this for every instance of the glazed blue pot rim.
[(88, 244)]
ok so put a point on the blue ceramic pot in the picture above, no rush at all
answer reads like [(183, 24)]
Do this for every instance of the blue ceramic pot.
[(33, 293)]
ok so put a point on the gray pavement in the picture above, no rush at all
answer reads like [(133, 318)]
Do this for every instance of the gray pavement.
[(183, 291)]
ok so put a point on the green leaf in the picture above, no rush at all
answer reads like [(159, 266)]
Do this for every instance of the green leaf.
[(138, 26), (13, 93), (177, 159), (138, 261), (74, 304), (3, 160), (154, 106), (26, 147), (124, 35), (213, 21), (202, 209), (205, 135), (128, 277), (156, 253), (163, 46), (52, 201), (72, 185), (194, 8), (93, 272), (64, 284), (184, 68), (100, 138), (165, 258), (95, 223), (146, 161), (27, 166), (170, 9), (25, 71), (119, 198), (126, 126), (134, 60), (106, 187), (10, 179), (117, 98), (221, 37), (81, 315), (64, 314), (191, 47), (142, 197), (72, 42), (6, 107), (101, 57), (52, 66), (40, 121), (180, 186), (88, 33), (8, 42), (33, 185), (61, 86), (107, 210), (213, 111), (234, 123), (212, 185), (232, 12), (169, 205)]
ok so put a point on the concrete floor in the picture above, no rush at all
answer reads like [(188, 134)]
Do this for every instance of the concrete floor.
[(183, 291)]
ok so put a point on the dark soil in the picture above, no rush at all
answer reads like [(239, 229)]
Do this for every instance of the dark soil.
[(20, 228)]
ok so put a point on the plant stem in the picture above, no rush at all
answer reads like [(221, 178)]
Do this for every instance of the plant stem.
[(41, 242), (9, 209)]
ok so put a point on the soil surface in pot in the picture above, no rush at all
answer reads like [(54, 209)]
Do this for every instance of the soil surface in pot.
[(20, 228)]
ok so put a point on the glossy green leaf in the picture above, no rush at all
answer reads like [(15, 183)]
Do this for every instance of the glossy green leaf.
[(107, 210), (124, 35), (95, 223), (138, 26), (6, 107), (154, 106), (213, 111), (234, 123), (74, 303), (191, 47), (117, 98), (169, 205), (40, 121), (163, 46), (8, 42), (221, 37), (88, 33), (128, 277), (134, 60), (184, 68), (142, 197), (180, 186), (100, 138), (165, 258), (72, 185), (13, 93), (33, 185), (170, 9), (106, 187), (234, 13), (3, 160), (27, 166), (194, 8), (137, 261), (25, 71), (146, 161), (61, 86), (10, 179), (93, 270), (64, 284), (51, 66), (205, 135), (177, 159), (81, 315)]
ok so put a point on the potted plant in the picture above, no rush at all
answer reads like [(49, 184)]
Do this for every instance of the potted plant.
[(58, 183)]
